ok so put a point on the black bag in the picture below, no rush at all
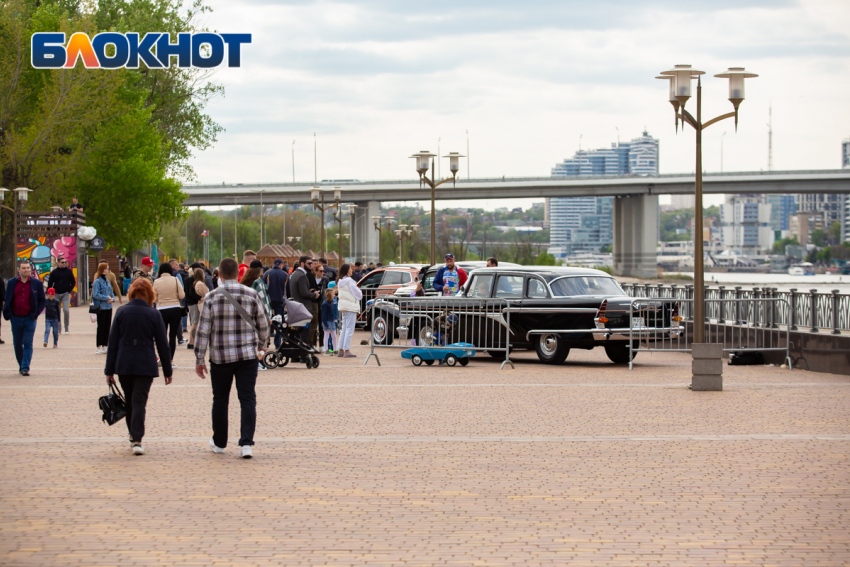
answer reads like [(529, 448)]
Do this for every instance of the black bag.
[(113, 406), (94, 308), (184, 311), (746, 358)]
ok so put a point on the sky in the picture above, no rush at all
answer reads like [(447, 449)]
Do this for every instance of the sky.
[(377, 80)]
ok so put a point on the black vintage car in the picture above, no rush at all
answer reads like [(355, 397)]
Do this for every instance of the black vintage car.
[(552, 310)]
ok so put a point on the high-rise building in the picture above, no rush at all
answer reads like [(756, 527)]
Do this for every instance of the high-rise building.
[(832, 205), (682, 201), (746, 223), (638, 157), (845, 154), (585, 224), (781, 209)]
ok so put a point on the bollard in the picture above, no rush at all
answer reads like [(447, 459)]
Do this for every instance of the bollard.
[(793, 326), (836, 330), (814, 310)]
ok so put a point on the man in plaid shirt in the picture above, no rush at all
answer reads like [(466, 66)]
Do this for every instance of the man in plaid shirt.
[(235, 350)]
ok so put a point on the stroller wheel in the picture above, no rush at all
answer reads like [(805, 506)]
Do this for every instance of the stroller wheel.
[(308, 362), (284, 361), (315, 360), (270, 360)]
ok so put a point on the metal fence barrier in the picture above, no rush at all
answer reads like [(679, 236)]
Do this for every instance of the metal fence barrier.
[(803, 310), (433, 324), (739, 324)]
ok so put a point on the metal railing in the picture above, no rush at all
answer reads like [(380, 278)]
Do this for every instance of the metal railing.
[(802, 310), (739, 324), (433, 324)]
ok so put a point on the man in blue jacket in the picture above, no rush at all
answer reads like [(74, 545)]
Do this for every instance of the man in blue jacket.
[(450, 278), (275, 280), (24, 303)]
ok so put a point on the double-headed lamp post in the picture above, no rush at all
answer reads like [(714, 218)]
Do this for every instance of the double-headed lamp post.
[(315, 195), (404, 231), (680, 91), (23, 196), (339, 213), (424, 161), (379, 226)]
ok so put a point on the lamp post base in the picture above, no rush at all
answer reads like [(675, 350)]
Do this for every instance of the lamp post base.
[(707, 367)]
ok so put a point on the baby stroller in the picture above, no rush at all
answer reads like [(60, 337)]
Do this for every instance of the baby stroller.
[(290, 325)]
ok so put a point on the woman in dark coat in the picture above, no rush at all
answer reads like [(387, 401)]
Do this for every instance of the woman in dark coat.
[(136, 329)]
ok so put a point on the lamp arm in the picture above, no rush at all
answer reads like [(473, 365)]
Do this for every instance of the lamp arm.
[(443, 181), (7, 208), (718, 119), (686, 117)]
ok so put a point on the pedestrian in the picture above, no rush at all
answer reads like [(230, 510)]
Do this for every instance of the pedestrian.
[(330, 271), (247, 257), (137, 329), (194, 299), (169, 292), (330, 319), (317, 284), (102, 299), (116, 288), (232, 326), (253, 279), (75, 207), (177, 272), (24, 303), (52, 310), (215, 279), (63, 281), (2, 302), (349, 305), (449, 278), (145, 270), (492, 262), (300, 290), (370, 268), (379, 265), (357, 274), (276, 280)]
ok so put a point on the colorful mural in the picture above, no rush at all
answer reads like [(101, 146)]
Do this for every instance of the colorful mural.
[(44, 253)]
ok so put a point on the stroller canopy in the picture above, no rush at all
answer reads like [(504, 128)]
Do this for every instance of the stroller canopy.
[(297, 314)]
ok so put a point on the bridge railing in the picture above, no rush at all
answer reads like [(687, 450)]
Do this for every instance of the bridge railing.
[(810, 310)]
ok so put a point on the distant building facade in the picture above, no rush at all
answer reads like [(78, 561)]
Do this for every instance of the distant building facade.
[(585, 224), (781, 209), (682, 202), (746, 223), (845, 154)]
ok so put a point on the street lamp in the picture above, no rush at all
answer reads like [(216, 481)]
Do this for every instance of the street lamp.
[(262, 226), (296, 240), (338, 216), (315, 195), (379, 226), (404, 231), (423, 159), (680, 84)]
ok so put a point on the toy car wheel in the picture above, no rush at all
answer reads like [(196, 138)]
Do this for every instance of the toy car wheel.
[(464, 361), (416, 360), (284, 361), (315, 360), (270, 360), (451, 359)]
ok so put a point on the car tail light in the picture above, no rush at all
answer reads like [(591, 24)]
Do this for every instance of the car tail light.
[(600, 315), (676, 313)]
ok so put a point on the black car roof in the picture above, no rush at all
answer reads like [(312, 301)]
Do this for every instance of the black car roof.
[(547, 272)]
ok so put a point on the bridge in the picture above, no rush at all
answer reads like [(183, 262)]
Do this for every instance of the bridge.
[(635, 209)]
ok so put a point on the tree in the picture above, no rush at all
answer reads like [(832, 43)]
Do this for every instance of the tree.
[(779, 245), (835, 233), (818, 237), (545, 259)]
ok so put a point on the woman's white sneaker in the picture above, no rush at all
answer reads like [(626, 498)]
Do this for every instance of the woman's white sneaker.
[(247, 452), (214, 448), (138, 449)]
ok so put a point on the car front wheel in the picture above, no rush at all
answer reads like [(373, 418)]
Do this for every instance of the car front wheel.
[(551, 349), (619, 352), (382, 330)]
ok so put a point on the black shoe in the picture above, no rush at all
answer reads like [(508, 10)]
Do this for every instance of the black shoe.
[(2, 342), (190, 346), (25, 373)]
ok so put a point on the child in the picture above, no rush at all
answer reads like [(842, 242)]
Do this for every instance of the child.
[(330, 317), (52, 310)]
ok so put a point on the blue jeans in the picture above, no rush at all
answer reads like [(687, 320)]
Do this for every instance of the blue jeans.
[(23, 329), (54, 325)]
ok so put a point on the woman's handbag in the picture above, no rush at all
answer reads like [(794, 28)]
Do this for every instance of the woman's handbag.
[(113, 406), (184, 311), (93, 311)]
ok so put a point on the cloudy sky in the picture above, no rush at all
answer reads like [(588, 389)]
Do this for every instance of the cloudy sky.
[(377, 80)]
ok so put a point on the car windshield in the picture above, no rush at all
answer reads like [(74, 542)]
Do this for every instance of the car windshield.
[(585, 285), (428, 283)]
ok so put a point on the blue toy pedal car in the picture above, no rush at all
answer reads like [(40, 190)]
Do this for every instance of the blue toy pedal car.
[(452, 354)]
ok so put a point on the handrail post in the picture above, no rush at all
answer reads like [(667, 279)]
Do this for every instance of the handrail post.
[(647, 287), (660, 290), (737, 305), (835, 327), (720, 317), (689, 295), (793, 323), (705, 294), (814, 310), (673, 291), (774, 294), (756, 297)]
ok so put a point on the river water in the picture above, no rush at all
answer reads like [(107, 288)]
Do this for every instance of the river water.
[(824, 283)]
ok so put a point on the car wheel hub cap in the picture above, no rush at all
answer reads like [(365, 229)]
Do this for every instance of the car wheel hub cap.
[(380, 330), (548, 344)]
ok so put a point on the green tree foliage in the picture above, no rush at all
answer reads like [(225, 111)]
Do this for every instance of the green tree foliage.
[(818, 237), (835, 233), (545, 259), (779, 245)]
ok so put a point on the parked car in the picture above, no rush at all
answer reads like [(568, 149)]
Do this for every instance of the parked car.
[(426, 275), (552, 310), (380, 282)]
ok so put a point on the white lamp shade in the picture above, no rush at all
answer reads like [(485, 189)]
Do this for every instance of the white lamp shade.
[(671, 80), (23, 193), (314, 195), (337, 194), (736, 76), (454, 161), (422, 161), (683, 75)]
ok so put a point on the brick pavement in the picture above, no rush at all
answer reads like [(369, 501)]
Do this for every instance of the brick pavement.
[(581, 464)]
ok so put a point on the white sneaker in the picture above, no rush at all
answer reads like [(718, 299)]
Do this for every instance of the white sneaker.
[(67, 332), (215, 449), (138, 449), (99, 351), (246, 452)]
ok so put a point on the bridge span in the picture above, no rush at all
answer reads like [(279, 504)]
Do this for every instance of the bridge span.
[(635, 209)]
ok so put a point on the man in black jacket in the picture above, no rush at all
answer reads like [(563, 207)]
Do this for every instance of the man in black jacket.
[(275, 280), (62, 280), (300, 289)]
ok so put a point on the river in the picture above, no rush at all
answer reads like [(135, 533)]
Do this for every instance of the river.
[(824, 283)]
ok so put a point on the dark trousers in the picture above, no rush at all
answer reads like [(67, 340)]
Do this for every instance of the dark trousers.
[(136, 390), (277, 309), (104, 324), (314, 324), (172, 317), (221, 378)]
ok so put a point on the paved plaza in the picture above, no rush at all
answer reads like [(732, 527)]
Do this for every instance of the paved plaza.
[(581, 464)]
